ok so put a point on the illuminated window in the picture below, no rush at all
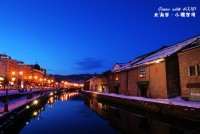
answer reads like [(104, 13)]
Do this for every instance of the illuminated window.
[(116, 77), (142, 72)]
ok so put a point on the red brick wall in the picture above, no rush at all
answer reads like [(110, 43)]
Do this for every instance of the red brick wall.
[(188, 58)]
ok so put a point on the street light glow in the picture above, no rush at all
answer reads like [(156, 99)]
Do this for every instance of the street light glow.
[(35, 102), (20, 72), (35, 113), (13, 73), (13, 79)]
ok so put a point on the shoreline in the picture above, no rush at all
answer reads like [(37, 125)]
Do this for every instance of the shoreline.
[(191, 113)]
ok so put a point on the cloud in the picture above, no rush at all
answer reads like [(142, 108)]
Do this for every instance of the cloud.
[(88, 64)]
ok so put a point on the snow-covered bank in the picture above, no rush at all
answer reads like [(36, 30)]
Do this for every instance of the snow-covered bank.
[(16, 103), (172, 101), (12, 92)]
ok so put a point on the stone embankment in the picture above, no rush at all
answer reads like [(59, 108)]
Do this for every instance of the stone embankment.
[(191, 113)]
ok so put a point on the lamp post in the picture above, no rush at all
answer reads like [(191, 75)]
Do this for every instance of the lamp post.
[(13, 78)]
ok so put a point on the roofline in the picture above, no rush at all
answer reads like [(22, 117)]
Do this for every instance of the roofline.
[(188, 49), (197, 36), (153, 52)]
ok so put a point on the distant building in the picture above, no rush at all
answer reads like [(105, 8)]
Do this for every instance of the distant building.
[(8, 67), (44, 71), (189, 65), (100, 83), (37, 75), (86, 84), (25, 70)]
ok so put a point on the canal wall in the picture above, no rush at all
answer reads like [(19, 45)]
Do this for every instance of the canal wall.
[(160, 108), (20, 115), (8, 117)]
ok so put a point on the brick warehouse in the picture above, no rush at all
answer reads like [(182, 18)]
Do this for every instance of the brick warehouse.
[(189, 66)]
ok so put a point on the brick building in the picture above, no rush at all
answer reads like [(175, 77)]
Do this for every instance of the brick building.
[(155, 74), (189, 66), (101, 83)]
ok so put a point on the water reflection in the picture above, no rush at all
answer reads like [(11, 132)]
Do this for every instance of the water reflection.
[(130, 123), (67, 95), (64, 112), (33, 111)]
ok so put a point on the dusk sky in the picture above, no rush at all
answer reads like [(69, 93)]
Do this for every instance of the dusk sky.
[(88, 36)]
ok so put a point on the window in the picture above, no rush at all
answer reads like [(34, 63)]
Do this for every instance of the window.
[(104, 88), (142, 72), (193, 70), (116, 77), (198, 69)]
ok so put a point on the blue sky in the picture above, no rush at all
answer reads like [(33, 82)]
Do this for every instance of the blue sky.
[(87, 36)]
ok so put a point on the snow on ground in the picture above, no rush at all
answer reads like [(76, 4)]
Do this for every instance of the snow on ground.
[(15, 103), (172, 101), (11, 92)]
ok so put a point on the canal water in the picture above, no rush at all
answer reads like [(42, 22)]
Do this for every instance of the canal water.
[(71, 113), (67, 114)]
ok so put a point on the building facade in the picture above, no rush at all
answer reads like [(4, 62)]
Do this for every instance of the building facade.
[(37, 75), (25, 70), (101, 83), (154, 75), (8, 67), (189, 66)]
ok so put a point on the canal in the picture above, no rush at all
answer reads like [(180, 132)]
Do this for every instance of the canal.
[(70, 112)]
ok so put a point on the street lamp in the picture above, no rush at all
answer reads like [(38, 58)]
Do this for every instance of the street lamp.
[(21, 79), (13, 79)]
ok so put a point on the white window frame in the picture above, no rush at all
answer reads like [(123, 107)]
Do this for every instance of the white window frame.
[(196, 70)]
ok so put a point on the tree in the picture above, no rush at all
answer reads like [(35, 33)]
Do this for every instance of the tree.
[(6, 83), (26, 83), (19, 83)]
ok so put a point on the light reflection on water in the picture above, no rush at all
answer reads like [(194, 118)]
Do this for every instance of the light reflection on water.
[(135, 123), (68, 112)]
